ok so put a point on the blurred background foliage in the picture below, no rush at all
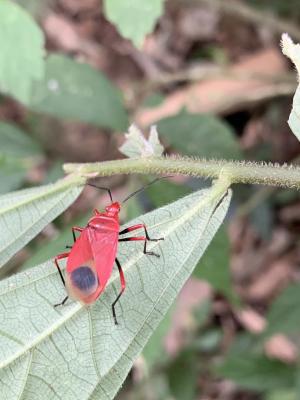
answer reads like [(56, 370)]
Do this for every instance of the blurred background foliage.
[(210, 75)]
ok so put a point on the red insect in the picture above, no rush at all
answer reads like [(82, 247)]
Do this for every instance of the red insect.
[(92, 257)]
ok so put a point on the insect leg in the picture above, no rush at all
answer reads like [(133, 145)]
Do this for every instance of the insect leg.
[(59, 257), (123, 286), (145, 240), (62, 303), (139, 226), (75, 229)]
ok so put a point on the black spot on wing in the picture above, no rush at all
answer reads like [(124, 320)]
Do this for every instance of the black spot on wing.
[(83, 278)]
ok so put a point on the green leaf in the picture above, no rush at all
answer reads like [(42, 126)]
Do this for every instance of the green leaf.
[(55, 172), (76, 91), (154, 352), (199, 135), (21, 55), (202, 312), (76, 352), (12, 175), (257, 372), (214, 266), (134, 18), (25, 213), (262, 219), (284, 315), (281, 395), (164, 192), (209, 341), (14, 143), (183, 376), (18, 152), (153, 100)]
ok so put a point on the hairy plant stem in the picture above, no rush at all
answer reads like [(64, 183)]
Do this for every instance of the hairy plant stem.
[(235, 171)]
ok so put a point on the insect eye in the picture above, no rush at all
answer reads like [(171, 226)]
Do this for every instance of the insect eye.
[(84, 279)]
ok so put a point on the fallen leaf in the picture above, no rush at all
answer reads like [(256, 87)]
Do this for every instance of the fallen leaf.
[(238, 87)]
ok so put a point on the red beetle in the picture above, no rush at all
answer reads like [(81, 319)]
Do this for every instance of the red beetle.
[(91, 258)]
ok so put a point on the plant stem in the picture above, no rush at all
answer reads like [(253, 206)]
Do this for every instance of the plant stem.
[(235, 171)]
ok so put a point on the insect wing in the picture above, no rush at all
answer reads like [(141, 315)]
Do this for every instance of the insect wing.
[(81, 252), (104, 249)]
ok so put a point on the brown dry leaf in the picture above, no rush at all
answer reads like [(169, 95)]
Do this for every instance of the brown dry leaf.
[(235, 90), (75, 6), (67, 37), (198, 23), (255, 132), (62, 32), (280, 347), (250, 257), (290, 213), (251, 320), (270, 281)]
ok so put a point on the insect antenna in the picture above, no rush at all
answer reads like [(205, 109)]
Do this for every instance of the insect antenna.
[(145, 186), (102, 188)]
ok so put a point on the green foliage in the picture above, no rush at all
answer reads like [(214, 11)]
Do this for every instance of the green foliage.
[(77, 352), (16, 144), (77, 91), (214, 266), (12, 175), (183, 376), (281, 395), (25, 213), (199, 135), (209, 341), (153, 100), (22, 52), (261, 218), (257, 372), (165, 192), (284, 314), (134, 18), (153, 352), (17, 152)]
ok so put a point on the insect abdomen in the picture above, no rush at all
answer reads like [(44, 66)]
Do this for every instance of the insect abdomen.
[(83, 282)]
